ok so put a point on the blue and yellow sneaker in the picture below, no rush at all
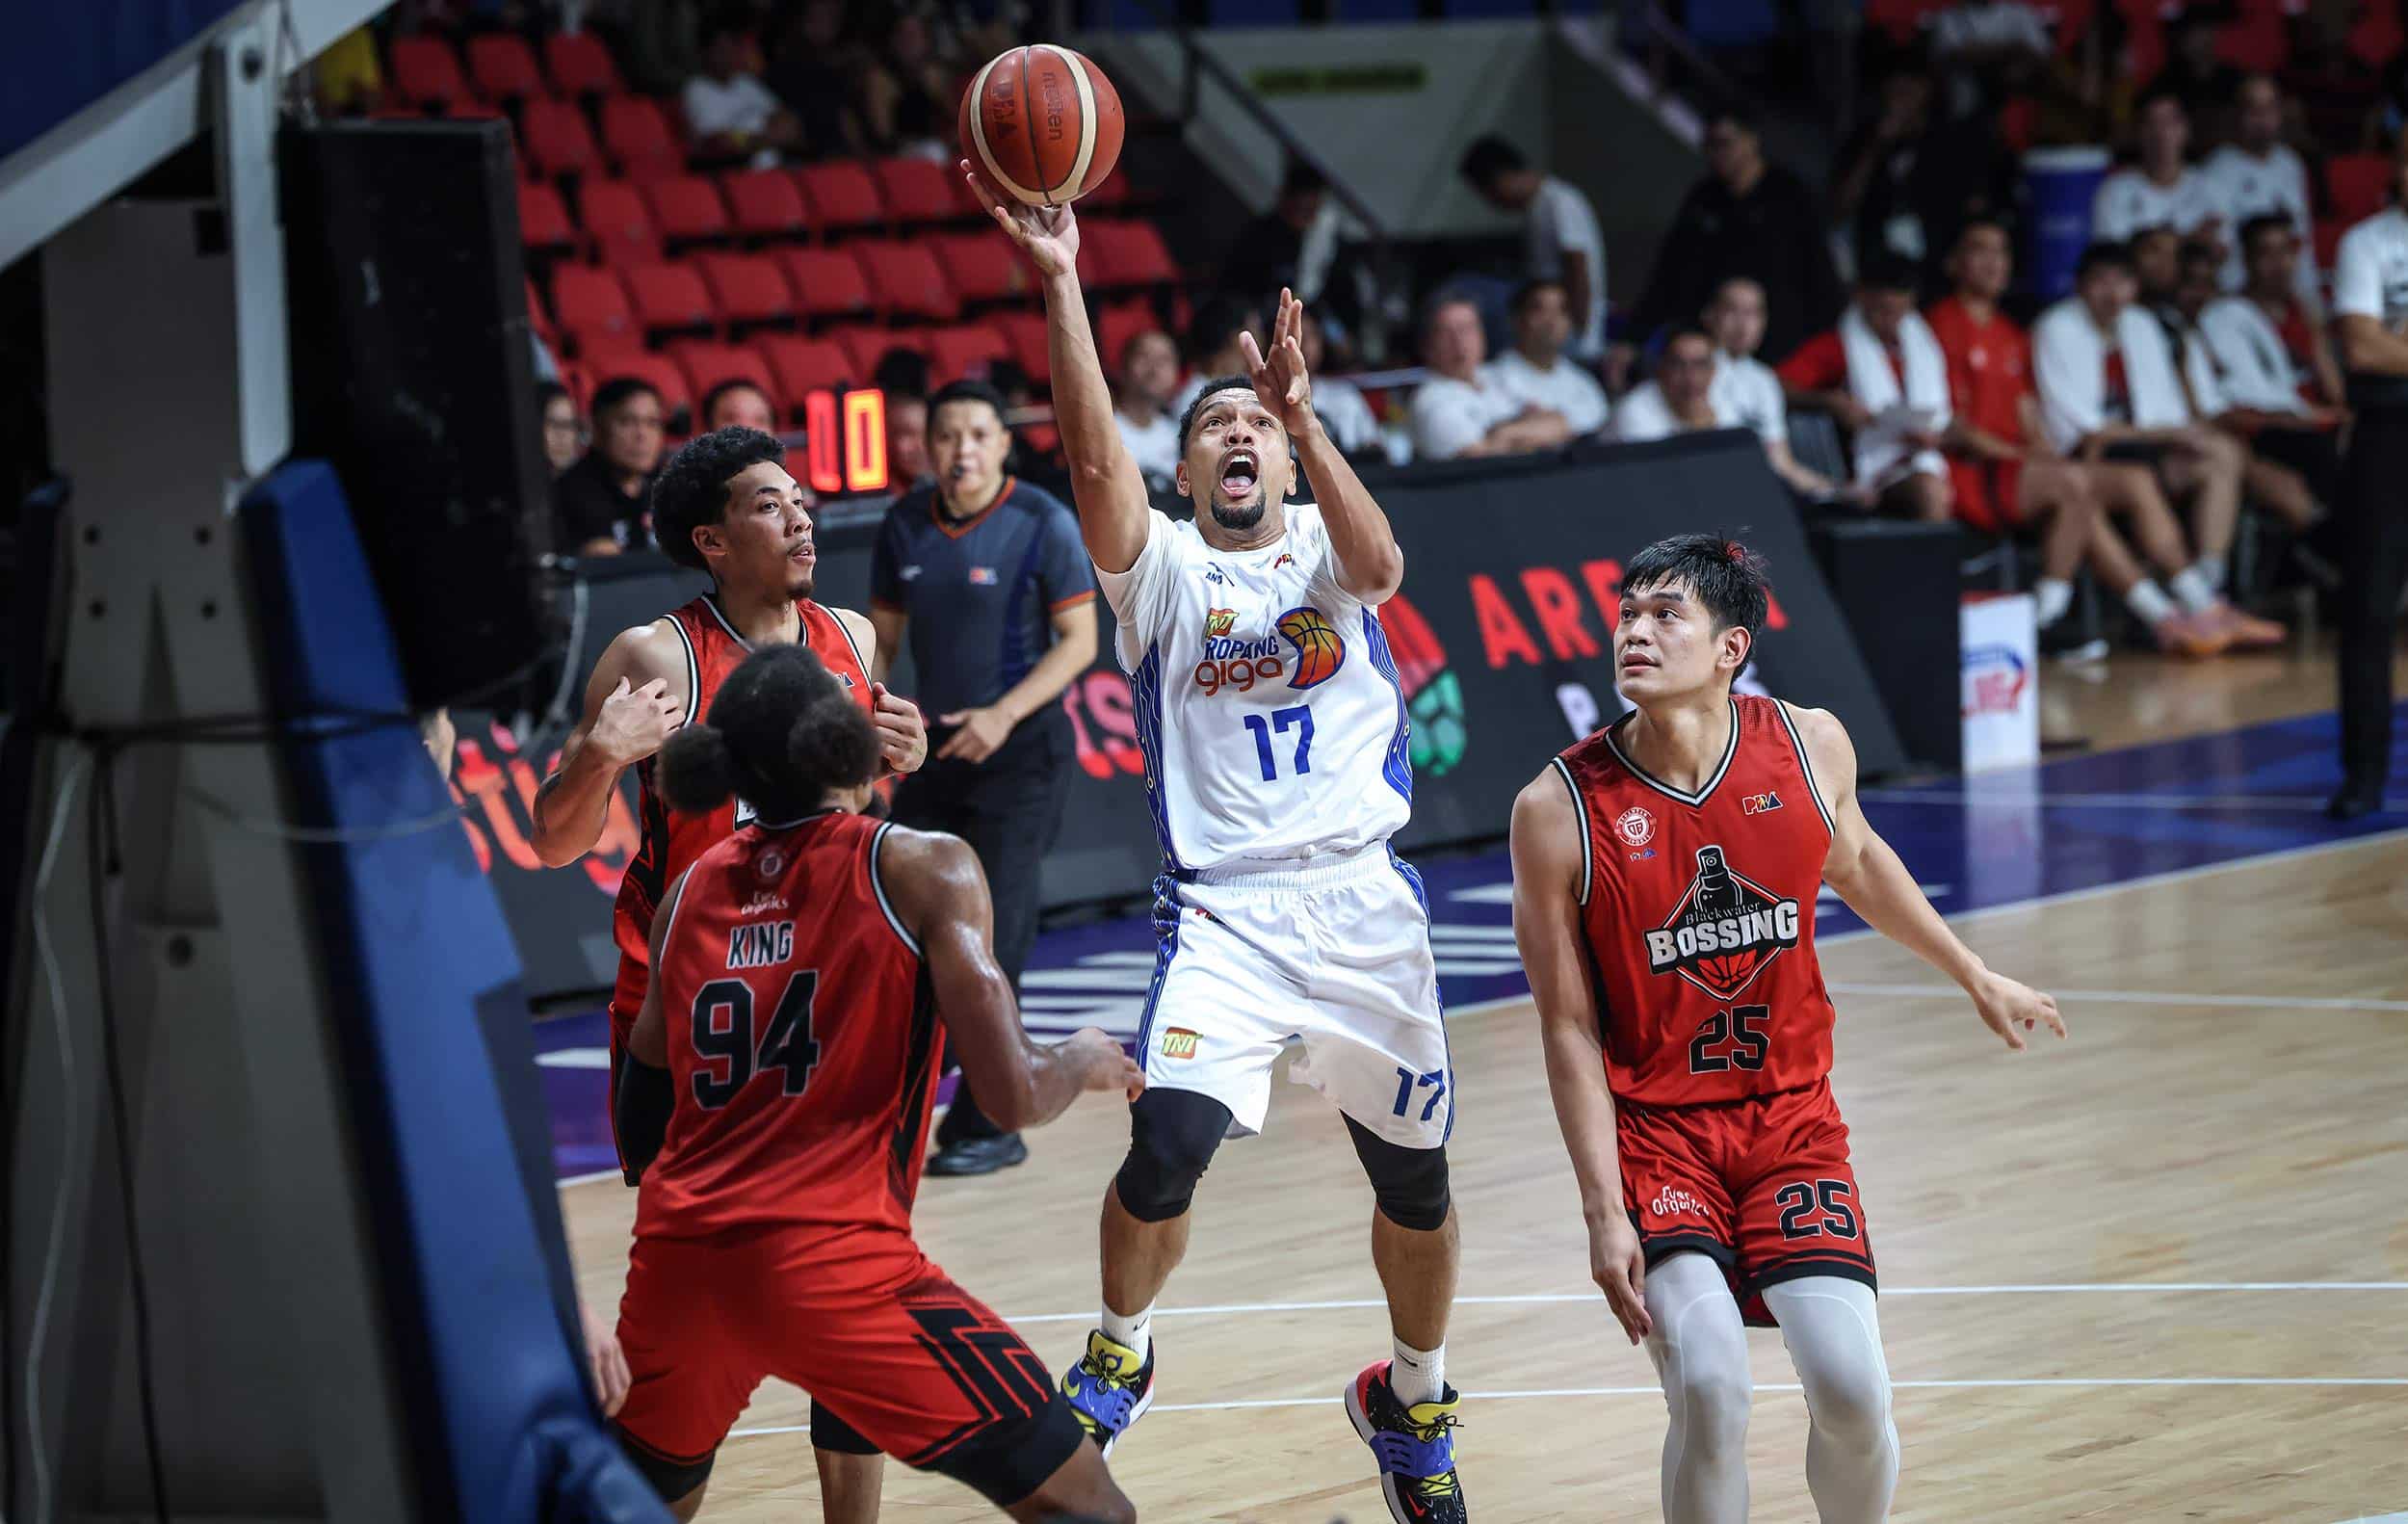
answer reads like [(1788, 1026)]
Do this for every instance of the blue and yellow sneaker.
[(1109, 1389), (1416, 1453)]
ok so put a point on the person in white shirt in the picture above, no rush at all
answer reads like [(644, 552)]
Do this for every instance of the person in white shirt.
[(2259, 175), (1345, 411), (2290, 462), (1536, 370), (1561, 230), (2109, 389), (2161, 190), (1213, 345), (2371, 321), (1678, 399), (1149, 373), (729, 111), (1746, 391), (1459, 411)]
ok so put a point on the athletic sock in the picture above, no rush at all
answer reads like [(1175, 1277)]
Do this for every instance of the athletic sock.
[(2215, 569), (1135, 1331), (2149, 604), (2193, 588), (1417, 1375), (2056, 595)]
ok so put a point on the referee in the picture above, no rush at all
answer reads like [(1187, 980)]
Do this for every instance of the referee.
[(2371, 318), (988, 578)]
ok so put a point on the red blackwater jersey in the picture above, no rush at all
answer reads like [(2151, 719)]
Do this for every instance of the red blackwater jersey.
[(803, 1039), (1700, 916), (671, 841)]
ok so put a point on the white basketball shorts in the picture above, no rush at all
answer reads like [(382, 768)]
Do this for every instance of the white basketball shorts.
[(1335, 953)]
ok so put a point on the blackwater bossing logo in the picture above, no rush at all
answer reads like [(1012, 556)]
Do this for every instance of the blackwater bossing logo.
[(1724, 931)]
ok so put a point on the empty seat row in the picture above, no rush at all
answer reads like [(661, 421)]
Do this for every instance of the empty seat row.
[(788, 367), (500, 66)]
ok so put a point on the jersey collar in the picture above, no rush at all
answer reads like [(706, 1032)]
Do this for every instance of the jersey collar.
[(1730, 750), (952, 531)]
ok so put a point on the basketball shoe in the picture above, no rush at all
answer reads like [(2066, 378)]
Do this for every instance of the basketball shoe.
[(1416, 1452), (1109, 1389)]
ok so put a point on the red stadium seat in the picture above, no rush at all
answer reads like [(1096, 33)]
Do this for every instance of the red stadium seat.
[(578, 384), (921, 192), (1111, 191), (503, 68), (637, 134), (557, 139), (826, 282), (2358, 184), (2328, 240), (956, 352), (764, 203), (865, 346), (749, 288), (981, 267), (615, 217), (543, 217), (906, 282), (540, 318), (686, 208), (657, 371), (801, 365), (709, 364), (1118, 323), (669, 297), (839, 195), (1127, 254), (426, 73), (580, 65), (590, 306), (1025, 333)]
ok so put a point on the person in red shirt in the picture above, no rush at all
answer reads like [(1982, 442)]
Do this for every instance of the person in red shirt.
[(1902, 472), (1665, 870), (806, 973)]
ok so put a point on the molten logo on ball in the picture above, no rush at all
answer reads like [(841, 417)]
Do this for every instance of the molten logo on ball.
[(1319, 651)]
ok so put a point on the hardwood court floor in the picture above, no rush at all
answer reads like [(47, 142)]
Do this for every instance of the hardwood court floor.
[(2137, 698), (2231, 1124)]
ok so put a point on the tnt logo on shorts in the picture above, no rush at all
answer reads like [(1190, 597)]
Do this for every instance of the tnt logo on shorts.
[(1178, 1043)]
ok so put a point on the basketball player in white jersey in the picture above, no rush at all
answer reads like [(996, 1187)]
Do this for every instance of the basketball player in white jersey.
[(1274, 734)]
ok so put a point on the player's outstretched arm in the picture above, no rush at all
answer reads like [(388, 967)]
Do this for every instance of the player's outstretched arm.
[(1370, 565), (632, 706), (1104, 480), (939, 893), (1867, 875), (1547, 931)]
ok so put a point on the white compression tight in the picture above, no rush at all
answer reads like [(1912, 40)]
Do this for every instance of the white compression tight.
[(1700, 1350)]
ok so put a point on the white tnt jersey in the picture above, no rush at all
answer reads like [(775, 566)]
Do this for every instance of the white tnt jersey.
[(1267, 706)]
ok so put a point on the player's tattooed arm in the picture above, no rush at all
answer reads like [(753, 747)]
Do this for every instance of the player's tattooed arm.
[(1547, 929), (1866, 873), (634, 699), (939, 894), (1370, 565)]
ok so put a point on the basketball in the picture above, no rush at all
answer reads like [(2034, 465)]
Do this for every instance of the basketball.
[(1043, 124)]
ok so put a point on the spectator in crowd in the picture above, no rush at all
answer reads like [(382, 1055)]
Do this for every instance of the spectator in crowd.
[(1213, 348), (2109, 390), (1910, 179), (907, 98), (564, 431), (989, 581), (1978, 29), (1345, 412), (1746, 392), (733, 403), (1149, 375), (2292, 465), (2158, 266), (601, 504), (813, 76), (1678, 399), (1297, 246), (1535, 372), (2270, 305), (1462, 410), (1880, 373), (1560, 228), (2195, 75), (2258, 174), (2162, 189), (730, 113), (1746, 217), (907, 440)]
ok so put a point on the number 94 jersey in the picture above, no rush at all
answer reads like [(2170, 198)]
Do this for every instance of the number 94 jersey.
[(1267, 702), (1699, 911)]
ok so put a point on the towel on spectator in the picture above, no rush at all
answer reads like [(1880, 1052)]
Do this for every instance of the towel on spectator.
[(2069, 361), (2250, 358), (1922, 403)]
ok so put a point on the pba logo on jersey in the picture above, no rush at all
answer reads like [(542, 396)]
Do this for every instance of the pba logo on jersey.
[(1319, 651), (1760, 804), (1178, 1043), (1635, 826), (1726, 929)]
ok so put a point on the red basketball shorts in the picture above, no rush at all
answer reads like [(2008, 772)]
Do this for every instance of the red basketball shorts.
[(924, 1372), (1989, 493), (1763, 1186)]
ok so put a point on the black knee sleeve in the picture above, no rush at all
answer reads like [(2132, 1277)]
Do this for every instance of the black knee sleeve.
[(1172, 1135), (1410, 1184), (831, 1433), (670, 1479)]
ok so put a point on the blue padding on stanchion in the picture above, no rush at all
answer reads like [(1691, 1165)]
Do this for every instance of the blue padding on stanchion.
[(475, 1273)]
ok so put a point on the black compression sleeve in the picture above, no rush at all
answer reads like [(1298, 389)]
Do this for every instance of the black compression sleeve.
[(644, 1103)]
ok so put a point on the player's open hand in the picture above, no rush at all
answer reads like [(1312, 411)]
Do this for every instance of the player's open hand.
[(2010, 1009), (1049, 233), (1104, 1065), (607, 1361), (1278, 375), (635, 721), (903, 735), (1620, 1266)]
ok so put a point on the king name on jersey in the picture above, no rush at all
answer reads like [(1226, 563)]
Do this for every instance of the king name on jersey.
[(760, 944), (1724, 931)]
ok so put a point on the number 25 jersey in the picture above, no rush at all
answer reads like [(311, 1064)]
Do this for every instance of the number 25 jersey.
[(1699, 912), (1267, 702)]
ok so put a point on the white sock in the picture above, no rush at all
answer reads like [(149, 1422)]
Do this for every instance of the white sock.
[(2147, 600), (2214, 568), (2056, 595), (1417, 1375), (2193, 587), (1135, 1331)]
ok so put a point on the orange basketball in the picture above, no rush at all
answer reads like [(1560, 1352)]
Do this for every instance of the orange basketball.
[(1043, 124)]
